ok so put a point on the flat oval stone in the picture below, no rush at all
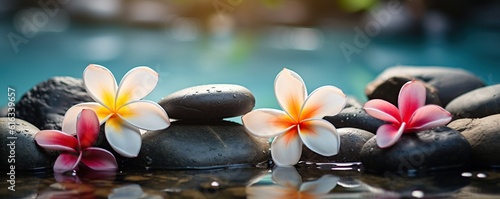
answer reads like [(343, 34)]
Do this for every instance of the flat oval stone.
[(213, 101), (484, 137), (478, 103), (448, 82), (187, 144), (20, 147), (46, 103), (351, 142), (433, 149)]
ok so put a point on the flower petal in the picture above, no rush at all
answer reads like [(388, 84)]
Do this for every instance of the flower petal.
[(100, 84), (66, 162), (320, 136), (429, 116), (71, 116), (99, 159), (287, 148), (56, 140), (320, 186), (388, 134), (267, 122), (287, 177), (324, 101), (128, 191), (411, 97), (145, 114), (135, 85), (87, 128), (290, 92), (382, 110), (123, 138), (273, 191)]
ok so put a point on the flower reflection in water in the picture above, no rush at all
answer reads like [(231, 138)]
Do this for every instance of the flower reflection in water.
[(288, 184), (71, 185)]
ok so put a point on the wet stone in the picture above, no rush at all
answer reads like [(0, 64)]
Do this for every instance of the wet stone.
[(419, 152), (45, 104), (478, 103), (187, 144), (444, 83), (356, 117), (484, 137), (351, 142), (19, 146), (206, 102)]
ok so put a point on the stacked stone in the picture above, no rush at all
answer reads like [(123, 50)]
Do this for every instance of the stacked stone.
[(472, 140), (200, 137)]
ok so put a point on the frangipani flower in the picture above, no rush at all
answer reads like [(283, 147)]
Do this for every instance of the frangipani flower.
[(121, 106), (76, 151), (289, 185), (300, 122), (411, 116)]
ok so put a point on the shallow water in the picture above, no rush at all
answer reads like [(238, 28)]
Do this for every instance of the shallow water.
[(253, 182)]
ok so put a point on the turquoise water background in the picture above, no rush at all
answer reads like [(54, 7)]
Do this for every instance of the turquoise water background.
[(248, 58)]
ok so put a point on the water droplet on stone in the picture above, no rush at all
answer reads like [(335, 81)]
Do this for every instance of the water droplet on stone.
[(149, 161), (354, 115), (466, 174), (214, 184), (481, 175), (234, 95)]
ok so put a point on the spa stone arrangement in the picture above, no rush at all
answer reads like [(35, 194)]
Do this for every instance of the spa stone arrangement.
[(458, 125)]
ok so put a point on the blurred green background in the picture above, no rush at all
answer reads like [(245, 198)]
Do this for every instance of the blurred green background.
[(344, 43)]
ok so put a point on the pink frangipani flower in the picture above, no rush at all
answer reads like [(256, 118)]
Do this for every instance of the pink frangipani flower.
[(301, 121), (78, 150), (411, 116), (120, 106)]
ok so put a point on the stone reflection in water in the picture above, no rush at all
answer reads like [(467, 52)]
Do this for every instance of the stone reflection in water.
[(433, 185), (215, 183), (288, 184)]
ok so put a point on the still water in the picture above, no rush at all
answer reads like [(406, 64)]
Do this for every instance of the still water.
[(304, 181)]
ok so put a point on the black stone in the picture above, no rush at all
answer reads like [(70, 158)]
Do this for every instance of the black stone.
[(389, 89), (478, 103), (449, 82), (213, 101), (484, 137), (187, 144), (45, 104), (355, 117), (419, 152), (27, 155), (351, 142)]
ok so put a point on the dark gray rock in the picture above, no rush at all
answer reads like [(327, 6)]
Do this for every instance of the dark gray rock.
[(388, 89), (187, 144), (448, 82), (213, 101), (355, 117), (420, 152), (484, 137), (25, 155), (45, 104), (351, 142), (478, 103)]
